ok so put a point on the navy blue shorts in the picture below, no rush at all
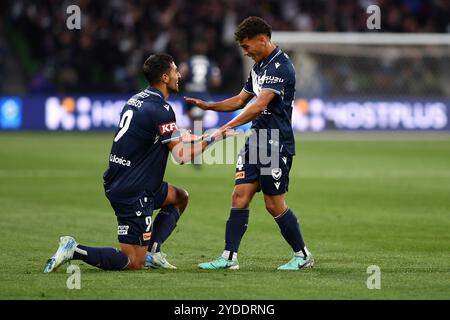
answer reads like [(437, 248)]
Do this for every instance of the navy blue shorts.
[(135, 220), (273, 178)]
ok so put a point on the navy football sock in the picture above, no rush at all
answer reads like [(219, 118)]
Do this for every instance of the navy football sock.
[(103, 258), (165, 222), (235, 229), (290, 229)]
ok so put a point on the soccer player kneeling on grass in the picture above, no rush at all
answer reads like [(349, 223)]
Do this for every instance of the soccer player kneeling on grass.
[(272, 81), (134, 182)]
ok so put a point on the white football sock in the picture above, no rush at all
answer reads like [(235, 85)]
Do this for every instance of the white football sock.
[(302, 253), (226, 255)]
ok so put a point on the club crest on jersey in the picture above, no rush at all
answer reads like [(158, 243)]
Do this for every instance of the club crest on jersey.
[(276, 173), (167, 127)]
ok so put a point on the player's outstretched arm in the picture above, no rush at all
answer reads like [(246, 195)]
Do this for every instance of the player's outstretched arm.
[(231, 104), (190, 146), (253, 110)]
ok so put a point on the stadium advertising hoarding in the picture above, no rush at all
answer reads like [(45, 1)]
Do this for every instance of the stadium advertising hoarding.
[(371, 114), (101, 112)]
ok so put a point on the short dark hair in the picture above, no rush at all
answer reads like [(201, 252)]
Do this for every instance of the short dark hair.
[(251, 27), (155, 66)]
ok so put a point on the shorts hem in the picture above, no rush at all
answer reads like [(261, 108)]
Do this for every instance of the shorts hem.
[(273, 193), (134, 242), (243, 181)]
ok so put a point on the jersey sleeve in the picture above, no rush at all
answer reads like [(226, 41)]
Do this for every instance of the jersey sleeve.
[(275, 78), (248, 87), (166, 125)]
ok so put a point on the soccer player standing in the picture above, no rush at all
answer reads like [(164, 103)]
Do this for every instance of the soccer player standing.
[(272, 81), (134, 182)]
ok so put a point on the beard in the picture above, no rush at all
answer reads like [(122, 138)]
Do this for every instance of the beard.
[(173, 88)]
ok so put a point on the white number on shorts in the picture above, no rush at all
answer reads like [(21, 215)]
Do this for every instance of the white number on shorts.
[(239, 164), (148, 221), (124, 124)]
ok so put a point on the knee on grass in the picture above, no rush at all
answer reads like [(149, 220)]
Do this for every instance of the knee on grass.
[(136, 263), (182, 199)]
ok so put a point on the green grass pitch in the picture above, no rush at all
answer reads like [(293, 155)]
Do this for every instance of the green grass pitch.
[(368, 199)]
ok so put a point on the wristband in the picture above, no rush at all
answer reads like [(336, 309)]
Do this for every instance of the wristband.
[(210, 140)]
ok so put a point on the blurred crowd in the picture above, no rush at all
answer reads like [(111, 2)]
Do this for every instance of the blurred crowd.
[(116, 36)]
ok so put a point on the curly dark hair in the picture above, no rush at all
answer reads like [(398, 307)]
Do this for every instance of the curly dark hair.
[(155, 66), (251, 27)]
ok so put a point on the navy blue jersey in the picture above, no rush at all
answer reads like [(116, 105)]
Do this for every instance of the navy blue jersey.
[(200, 72), (276, 73), (138, 157)]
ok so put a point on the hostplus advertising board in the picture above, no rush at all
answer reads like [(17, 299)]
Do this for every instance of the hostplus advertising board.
[(101, 112)]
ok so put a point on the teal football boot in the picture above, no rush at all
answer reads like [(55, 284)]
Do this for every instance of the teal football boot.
[(220, 263), (298, 263)]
